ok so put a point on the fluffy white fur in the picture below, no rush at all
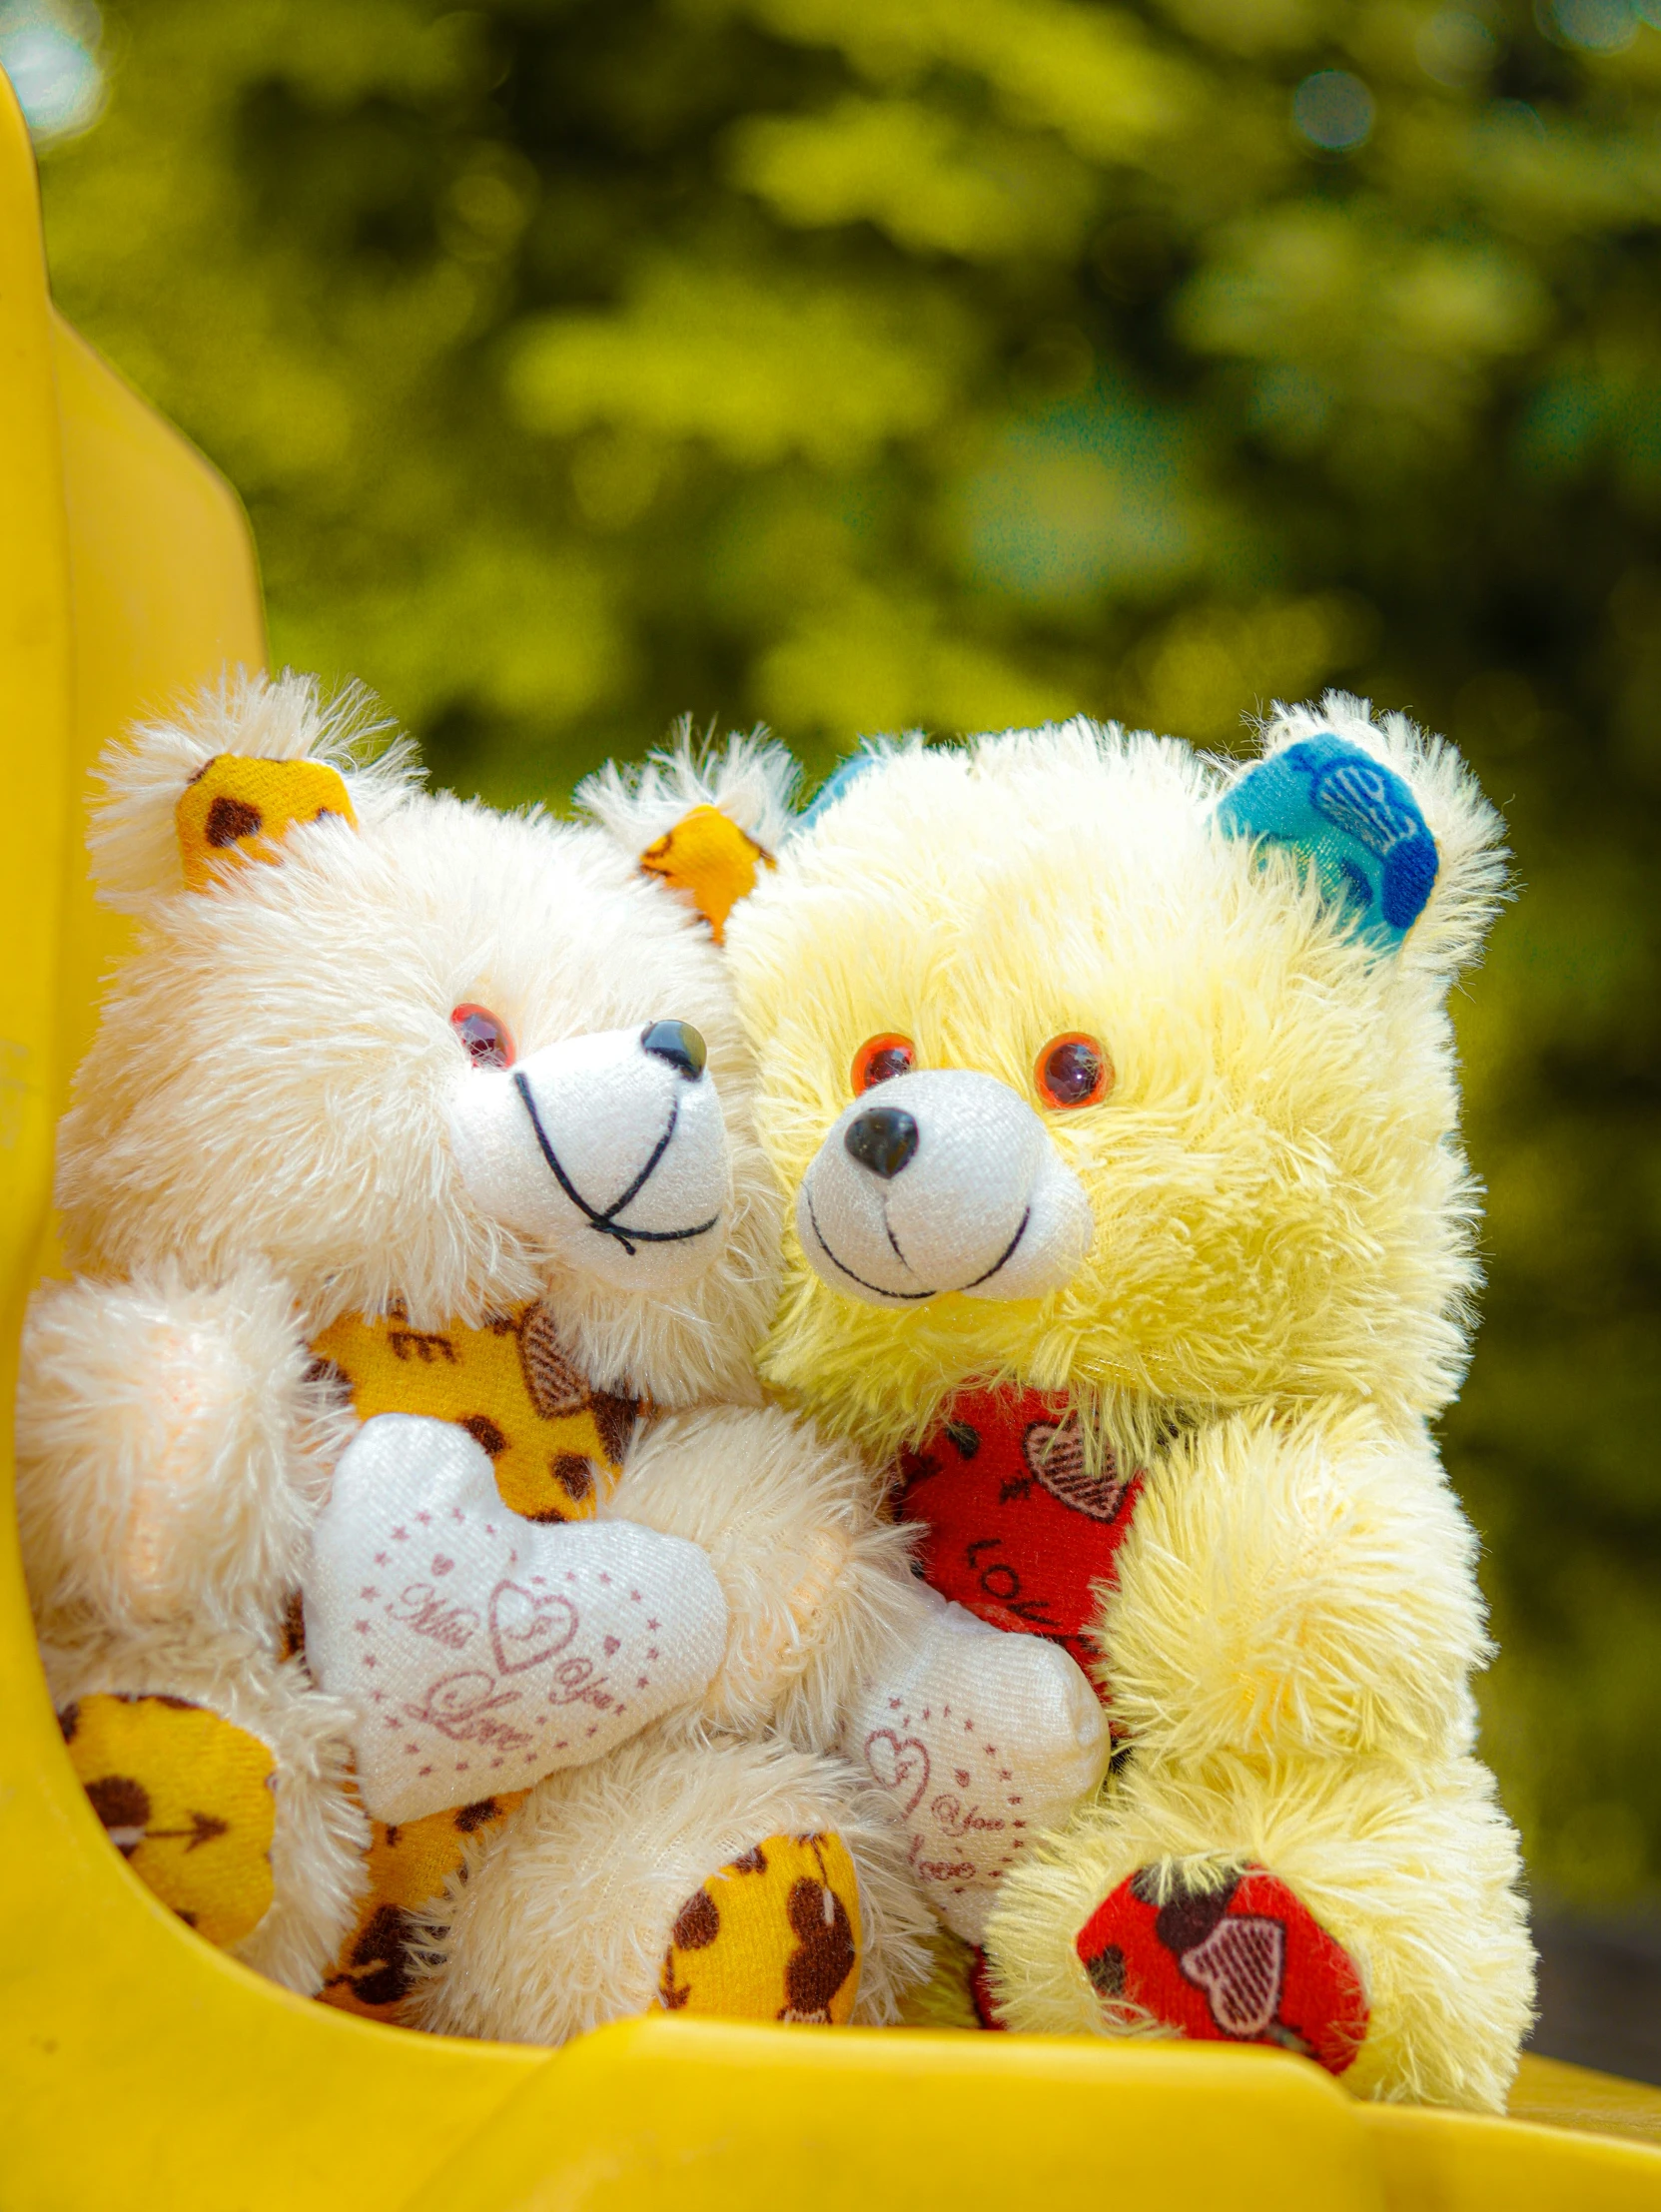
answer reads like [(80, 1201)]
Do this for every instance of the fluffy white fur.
[(752, 781), (316, 1851), (135, 849), (816, 1585), (1275, 1300), (261, 1141), (172, 1448), (271, 1071), (567, 1929)]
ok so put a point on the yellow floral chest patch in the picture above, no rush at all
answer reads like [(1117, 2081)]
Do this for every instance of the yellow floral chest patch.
[(553, 1440)]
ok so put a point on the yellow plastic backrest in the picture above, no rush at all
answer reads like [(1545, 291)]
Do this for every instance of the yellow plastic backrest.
[(138, 2065)]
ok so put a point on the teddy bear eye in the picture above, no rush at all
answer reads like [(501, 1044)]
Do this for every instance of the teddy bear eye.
[(485, 1039), (881, 1058), (1074, 1071)]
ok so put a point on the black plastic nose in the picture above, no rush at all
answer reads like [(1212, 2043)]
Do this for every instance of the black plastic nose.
[(881, 1138), (679, 1044)]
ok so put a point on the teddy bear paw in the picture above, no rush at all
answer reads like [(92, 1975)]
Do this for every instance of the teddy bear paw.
[(1239, 1960), (984, 1742)]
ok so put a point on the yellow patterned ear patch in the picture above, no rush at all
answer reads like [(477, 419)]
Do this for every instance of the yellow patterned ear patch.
[(238, 809), (709, 861), (188, 1801), (776, 1936)]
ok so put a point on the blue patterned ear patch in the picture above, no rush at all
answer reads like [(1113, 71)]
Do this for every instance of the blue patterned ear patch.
[(846, 773), (1354, 817)]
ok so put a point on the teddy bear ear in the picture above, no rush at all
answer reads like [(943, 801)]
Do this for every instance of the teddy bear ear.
[(185, 802), (708, 861), (238, 809), (871, 754), (1389, 823), (704, 822)]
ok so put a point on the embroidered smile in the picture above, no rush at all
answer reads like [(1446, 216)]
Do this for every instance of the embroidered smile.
[(607, 1223), (912, 1297)]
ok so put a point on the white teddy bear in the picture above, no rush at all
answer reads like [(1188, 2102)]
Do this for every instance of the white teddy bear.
[(423, 1241)]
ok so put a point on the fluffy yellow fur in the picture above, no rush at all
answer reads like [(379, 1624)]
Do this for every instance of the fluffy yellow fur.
[(1414, 1869), (1296, 1587), (1279, 1206), (1275, 1303)]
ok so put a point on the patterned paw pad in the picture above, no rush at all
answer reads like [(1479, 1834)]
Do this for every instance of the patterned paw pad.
[(408, 1864), (1242, 1962), (187, 1799), (774, 1936)]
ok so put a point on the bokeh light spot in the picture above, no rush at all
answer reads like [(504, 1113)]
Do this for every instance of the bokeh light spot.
[(1455, 48), (1599, 26), (50, 53), (1333, 109)]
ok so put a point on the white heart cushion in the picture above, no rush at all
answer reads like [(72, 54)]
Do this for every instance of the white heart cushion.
[(482, 1651)]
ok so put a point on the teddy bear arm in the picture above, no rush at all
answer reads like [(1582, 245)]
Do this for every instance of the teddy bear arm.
[(1303, 1587), (816, 1584), (173, 1445)]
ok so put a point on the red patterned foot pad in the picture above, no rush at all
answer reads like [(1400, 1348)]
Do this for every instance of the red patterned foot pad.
[(1244, 1962), (980, 1991)]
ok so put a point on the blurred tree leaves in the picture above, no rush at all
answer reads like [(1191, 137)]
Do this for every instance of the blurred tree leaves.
[(854, 363)]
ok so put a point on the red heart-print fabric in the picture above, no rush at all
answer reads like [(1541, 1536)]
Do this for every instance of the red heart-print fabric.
[(1244, 1962), (1016, 1528)]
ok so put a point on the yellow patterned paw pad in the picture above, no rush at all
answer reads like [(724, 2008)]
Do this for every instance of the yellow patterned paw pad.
[(238, 809), (408, 1865), (709, 861), (776, 1936), (188, 1800)]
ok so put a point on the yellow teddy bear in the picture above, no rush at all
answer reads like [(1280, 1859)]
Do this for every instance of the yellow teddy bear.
[(1114, 1090), (438, 1616)]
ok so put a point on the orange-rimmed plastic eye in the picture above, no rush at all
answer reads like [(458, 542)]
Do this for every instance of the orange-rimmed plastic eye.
[(487, 1041), (881, 1058), (1074, 1071)]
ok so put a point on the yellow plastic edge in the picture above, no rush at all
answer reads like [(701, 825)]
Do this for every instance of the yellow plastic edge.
[(1553, 2093), (711, 2116), (1431, 2161)]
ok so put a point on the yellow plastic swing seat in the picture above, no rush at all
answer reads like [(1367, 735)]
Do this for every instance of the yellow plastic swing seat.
[(139, 2065)]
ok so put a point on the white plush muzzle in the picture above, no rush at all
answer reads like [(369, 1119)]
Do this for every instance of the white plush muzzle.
[(938, 1181), (613, 1156)]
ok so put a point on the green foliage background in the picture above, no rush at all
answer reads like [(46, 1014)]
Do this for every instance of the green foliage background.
[(860, 363)]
